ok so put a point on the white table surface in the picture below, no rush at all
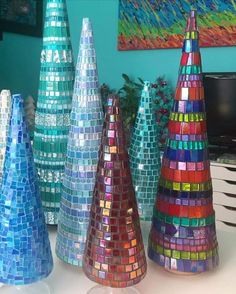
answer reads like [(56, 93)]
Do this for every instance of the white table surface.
[(67, 279)]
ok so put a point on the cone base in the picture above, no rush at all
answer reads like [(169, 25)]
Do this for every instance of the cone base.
[(145, 229), (68, 247), (73, 262), (175, 272), (183, 266), (112, 284), (36, 288), (108, 290)]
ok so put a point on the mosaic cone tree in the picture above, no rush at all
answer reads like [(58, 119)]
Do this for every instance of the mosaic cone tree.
[(144, 155), (82, 154), (114, 253), (25, 253), (183, 236), (53, 106), (5, 110)]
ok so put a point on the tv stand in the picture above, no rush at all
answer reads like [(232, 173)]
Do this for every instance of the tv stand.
[(219, 152), (224, 194)]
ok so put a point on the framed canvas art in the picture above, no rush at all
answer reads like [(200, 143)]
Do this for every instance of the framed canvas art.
[(21, 16), (158, 24)]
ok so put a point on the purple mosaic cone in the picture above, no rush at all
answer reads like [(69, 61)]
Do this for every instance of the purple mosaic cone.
[(114, 255)]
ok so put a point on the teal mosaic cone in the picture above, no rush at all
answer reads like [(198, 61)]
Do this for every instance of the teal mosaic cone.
[(25, 253), (53, 107), (5, 110), (144, 155), (82, 154)]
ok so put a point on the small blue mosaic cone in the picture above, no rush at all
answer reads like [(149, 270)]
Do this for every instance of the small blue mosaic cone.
[(145, 155), (25, 253), (82, 154)]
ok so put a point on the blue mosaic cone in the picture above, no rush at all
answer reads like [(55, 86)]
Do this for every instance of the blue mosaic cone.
[(144, 155), (25, 253), (53, 107), (5, 110), (82, 154)]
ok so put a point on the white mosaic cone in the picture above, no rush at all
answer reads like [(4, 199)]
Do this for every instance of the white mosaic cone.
[(82, 153)]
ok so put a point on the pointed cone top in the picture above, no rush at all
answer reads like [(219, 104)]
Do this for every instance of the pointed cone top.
[(147, 85), (113, 114), (147, 102), (56, 24), (113, 101), (5, 99), (192, 21), (17, 98), (190, 65), (56, 2), (55, 9), (5, 110), (191, 38), (86, 24), (18, 101), (5, 93), (146, 119), (86, 38), (115, 136), (86, 78), (18, 122), (147, 93), (146, 105), (56, 55)]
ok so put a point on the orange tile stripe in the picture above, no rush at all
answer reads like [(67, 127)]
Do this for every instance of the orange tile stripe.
[(187, 128), (183, 210), (185, 176)]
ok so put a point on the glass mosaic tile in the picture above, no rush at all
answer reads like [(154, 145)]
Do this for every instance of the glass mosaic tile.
[(114, 253), (5, 111), (25, 253), (53, 106), (82, 154), (144, 155), (183, 235)]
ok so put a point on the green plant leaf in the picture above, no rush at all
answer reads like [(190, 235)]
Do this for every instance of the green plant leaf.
[(141, 81), (126, 78)]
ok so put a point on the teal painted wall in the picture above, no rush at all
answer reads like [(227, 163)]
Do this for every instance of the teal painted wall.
[(19, 63), (19, 55)]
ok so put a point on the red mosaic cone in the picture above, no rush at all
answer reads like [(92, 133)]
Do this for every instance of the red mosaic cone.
[(183, 235), (114, 255)]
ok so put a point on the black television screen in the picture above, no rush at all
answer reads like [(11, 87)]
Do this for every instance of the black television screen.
[(220, 95)]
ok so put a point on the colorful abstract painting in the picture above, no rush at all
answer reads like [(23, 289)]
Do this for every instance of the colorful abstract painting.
[(152, 24)]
